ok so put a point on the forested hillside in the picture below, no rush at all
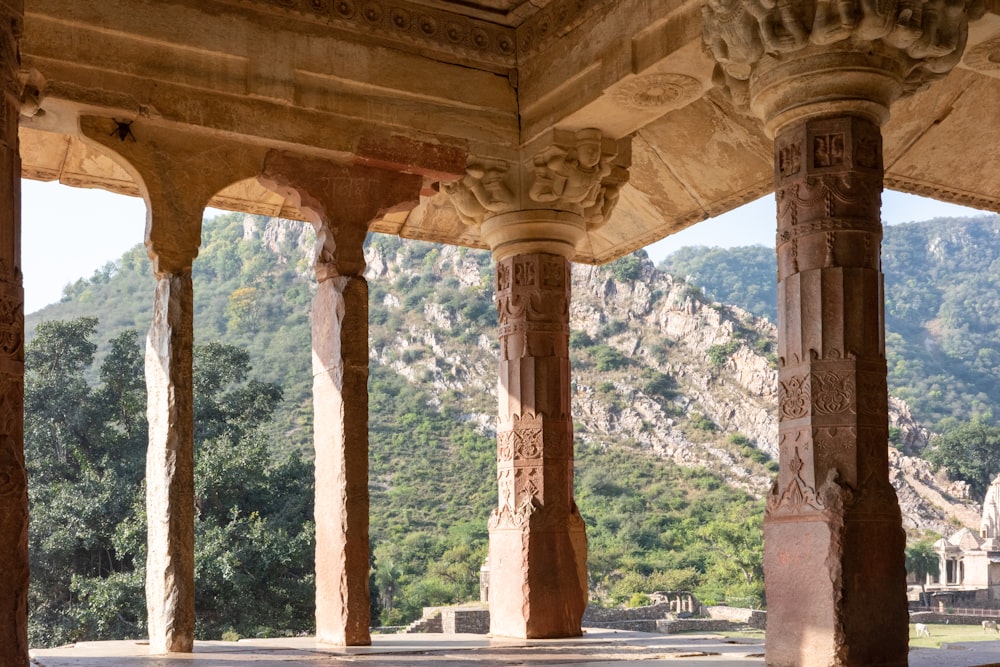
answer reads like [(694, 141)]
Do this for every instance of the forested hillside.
[(942, 287), (673, 400), (652, 524)]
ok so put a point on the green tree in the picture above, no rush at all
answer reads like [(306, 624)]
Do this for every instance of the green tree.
[(921, 560), (253, 530), (970, 451)]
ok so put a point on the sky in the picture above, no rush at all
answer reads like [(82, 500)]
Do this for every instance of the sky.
[(68, 233)]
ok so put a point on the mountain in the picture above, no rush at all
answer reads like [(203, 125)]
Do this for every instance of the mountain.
[(673, 396), (942, 290)]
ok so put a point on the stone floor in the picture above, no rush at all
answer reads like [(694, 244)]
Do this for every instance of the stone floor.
[(597, 648)]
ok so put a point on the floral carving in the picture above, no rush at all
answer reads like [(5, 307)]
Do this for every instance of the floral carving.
[(986, 56), (13, 480), (833, 393), (11, 324), (658, 91), (797, 497), (793, 396)]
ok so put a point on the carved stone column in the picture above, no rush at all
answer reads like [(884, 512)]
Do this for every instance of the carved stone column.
[(822, 77), (340, 201), (533, 213), (833, 538), (13, 481)]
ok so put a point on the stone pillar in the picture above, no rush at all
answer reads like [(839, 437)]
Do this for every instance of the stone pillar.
[(833, 507), (13, 480), (822, 79), (173, 234), (340, 201), (533, 213), (538, 544), (170, 465), (177, 175)]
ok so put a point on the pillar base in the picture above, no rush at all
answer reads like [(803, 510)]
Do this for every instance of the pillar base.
[(827, 589), (548, 566)]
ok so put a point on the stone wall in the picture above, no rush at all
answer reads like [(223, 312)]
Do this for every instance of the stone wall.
[(952, 619), (652, 618), (473, 621), (755, 618), (596, 616), (694, 625)]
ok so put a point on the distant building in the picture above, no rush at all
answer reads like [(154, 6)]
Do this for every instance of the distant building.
[(971, 562)]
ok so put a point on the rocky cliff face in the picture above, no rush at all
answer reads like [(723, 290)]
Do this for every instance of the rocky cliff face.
[(655, 364)]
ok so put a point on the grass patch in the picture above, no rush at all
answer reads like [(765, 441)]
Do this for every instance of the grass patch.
[(950, 634)]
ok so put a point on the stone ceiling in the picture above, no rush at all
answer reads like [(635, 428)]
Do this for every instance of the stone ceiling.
[(331, 78)]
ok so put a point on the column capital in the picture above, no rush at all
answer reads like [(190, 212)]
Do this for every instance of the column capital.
[(340, 200), (548, 196), (795, 59)]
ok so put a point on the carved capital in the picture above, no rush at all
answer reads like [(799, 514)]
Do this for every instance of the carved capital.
[(868, 51), (575, 174)]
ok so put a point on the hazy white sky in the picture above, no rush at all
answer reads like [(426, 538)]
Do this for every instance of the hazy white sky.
[(68, 233)]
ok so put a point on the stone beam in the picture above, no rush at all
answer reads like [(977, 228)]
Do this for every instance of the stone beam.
[(258, 73), (341, 201), (13, 479), (617, 68), (177, 177)]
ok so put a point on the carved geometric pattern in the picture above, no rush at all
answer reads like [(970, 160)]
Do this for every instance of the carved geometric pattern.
[(874, 391), (11, 325), (835, 439), (552, 22), (833, 393), (13, 480), (798, 496), (399, 21), (658, 91)]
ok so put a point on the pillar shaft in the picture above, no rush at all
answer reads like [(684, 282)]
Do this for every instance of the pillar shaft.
[(833, 554), (340, 397), (13, 480), (170, 466), (340, 200), (538, 547)]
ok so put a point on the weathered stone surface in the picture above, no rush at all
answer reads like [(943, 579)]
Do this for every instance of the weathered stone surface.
[(340, 425), (13, 480), (833, 543), (341, 201), (538, 544), (170, 467)]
